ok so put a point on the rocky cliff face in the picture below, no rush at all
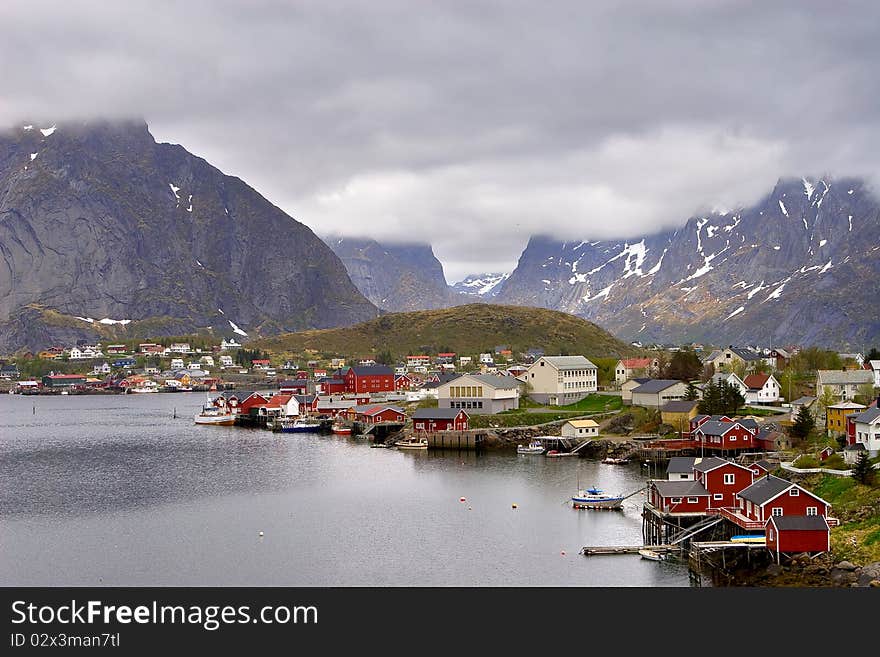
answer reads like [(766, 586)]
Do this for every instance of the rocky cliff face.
[(800, 266), (395, 277), (100, 222)]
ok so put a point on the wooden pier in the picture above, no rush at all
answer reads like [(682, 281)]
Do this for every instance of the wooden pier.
[(628, 549)]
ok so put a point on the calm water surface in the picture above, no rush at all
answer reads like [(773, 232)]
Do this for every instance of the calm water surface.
[(111, 490)]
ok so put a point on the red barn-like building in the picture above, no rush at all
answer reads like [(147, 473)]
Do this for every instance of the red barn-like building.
[(794, 534), (678, 497), (723, 479), (376, 378), (374, 414), (440, 419), (773, 496), (724, 436)]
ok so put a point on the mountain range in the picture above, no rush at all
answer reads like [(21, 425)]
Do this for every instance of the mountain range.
[(104, 232)]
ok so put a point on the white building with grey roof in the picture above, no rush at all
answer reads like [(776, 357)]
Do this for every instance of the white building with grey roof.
[(479, 394), (561, 380)]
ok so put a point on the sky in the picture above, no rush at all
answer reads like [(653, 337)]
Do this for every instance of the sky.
[(471, 125)]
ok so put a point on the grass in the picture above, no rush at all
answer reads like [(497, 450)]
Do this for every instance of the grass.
[(857, 538), (758, 412), (467, 330), (516, 419), (595, 404)]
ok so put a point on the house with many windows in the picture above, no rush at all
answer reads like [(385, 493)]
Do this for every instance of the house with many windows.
[(479, 394), (561, 380)]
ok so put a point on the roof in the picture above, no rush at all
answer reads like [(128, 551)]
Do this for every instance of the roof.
[(800, 523), (867, 417), (305, 399), (681, 464), (436, 413), (713, 428), (767, 434), (371, 370), (293, 383), (680, 488), (278, 400), (803, 401), (489, 380), (713, 462), (655, 385), (848, 405), (765, 489), (65, 376), (718, 377), (875, 364), (636, 363), (746, 354), (756, 381), (580, 424), (683, 406), (375, 409), (748, 423), (839, 377), (764, 464), (568, 362), (639, 379)]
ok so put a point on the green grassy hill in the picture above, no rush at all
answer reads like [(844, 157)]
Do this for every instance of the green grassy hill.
[(466, 330)]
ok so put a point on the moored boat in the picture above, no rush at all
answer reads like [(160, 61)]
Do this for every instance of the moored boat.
[(596, 498), (614, 461), (651, 555), (412, 443), (300, 425), (217, 416), (534, 447), (341, 430)]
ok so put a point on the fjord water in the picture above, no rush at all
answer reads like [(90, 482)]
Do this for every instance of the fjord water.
[(114, 491)]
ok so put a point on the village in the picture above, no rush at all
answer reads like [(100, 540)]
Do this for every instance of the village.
[(727, 432)]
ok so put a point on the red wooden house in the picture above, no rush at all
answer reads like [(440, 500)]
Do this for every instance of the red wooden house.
[(773, 496), (307, 403), (795, 534), (440, 419), (699, 420), (762, 467), (294, 386), (243, 402), (376, 378), (724, 436), (402, 382), (723, 479), (375, 413), (678, 497), (330, 386)]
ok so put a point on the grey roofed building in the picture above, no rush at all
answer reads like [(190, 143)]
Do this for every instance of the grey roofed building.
[(569, 362), (803, 401), (680, 488), (765, 464), (683, 406), (712, 428), (681, 464), (437, 413), (653, 386), (305, 399), (749, 423), (800, 523), (746, 354), (845, 377), (492, 381), (368, 370), (867, 416), (711, 463), (764, 489)]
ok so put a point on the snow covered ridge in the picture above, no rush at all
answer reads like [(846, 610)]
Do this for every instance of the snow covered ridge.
[(481, 284), (235, 328), (106, 320)]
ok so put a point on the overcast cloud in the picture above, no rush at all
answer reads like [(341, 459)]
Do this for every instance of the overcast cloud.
[(472, 125)]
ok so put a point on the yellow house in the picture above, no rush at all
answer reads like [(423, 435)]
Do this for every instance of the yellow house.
[(678, 414), (835, 416)]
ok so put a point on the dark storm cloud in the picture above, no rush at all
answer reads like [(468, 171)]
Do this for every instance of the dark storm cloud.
[(470, 124)]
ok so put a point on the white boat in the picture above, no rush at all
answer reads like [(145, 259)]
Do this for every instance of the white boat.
[(300, 425), (138, 389), (651, 555), (595, 498), (412, 443), (534, 447), (215, 416), (610, 460)]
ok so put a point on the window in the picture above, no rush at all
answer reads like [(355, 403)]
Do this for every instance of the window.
[(676, 500), (812, 511), (770, 533), (777, 511), (794, 492), (729, 478), (693, 500), (718, 496)]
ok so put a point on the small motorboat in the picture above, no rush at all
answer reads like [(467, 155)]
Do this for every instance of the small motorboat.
[(614, 461), (595, 498), (213, 415), (534, 447), (651, 555), (412, 443), (341, 430), (300, 425)]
